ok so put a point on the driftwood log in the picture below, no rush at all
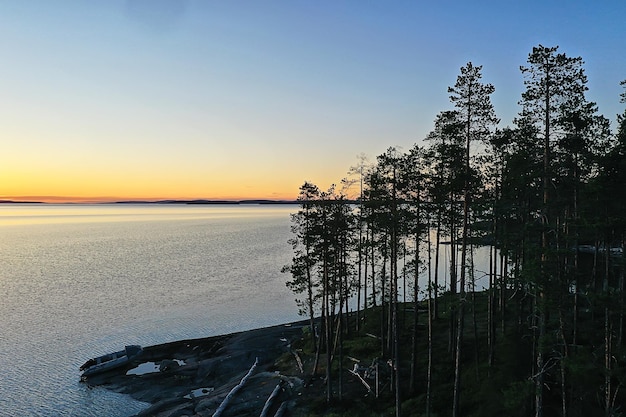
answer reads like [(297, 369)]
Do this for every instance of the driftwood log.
[(365, 384), (281, 410), (270, 400), (237, 387), (298, 361)]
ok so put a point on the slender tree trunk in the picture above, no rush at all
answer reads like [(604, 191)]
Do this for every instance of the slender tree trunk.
[(462, 284), (413, 379), (346, 289), (607, 329), (457, 361), (310, 300), (394, 294), (620, 334), (311, 313), (594, 269), (383, 274), (503, 280), (575, 307), (519, 286), (474, 321), (359, 279), (453, 283), (563, 392), (328, 330), (607, 363), (436, 271), (340, 334), (539, 382), (365, 283), (389, 327), (491, 326), (430, 333), (490, 319), (373, 269), (404, 283), (396, 341), (453, 248), (564, 356)]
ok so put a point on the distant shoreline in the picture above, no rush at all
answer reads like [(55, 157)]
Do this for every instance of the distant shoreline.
[(166, 202), (20, 202), (180, 202)]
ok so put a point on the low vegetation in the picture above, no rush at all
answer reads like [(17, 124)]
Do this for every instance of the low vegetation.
[(500, 388)]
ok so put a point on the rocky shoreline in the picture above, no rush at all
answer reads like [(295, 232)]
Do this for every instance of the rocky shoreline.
[(193, 377)]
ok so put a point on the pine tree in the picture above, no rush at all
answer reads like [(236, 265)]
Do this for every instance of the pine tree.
[(475, 112), (305, 227), (553, 82)]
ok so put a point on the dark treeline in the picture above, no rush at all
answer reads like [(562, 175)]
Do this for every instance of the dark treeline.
[(546, 196)]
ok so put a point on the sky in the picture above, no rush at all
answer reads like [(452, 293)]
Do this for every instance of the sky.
[(232, 99)]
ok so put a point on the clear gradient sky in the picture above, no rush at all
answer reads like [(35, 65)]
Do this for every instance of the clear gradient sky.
[(155, 99)]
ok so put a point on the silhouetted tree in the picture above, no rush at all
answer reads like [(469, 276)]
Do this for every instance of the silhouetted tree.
[(475, 112)]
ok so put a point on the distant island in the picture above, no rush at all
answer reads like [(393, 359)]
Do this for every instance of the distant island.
[(20, 202), (199, 201)]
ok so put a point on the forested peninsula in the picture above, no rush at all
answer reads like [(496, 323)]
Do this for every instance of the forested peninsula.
[(546, 196), (385, 334)]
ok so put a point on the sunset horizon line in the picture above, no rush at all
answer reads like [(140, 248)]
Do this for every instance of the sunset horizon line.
[(108, 199)]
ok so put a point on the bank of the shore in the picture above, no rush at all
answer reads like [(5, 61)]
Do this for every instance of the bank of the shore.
[(192, 377), (361, 380)]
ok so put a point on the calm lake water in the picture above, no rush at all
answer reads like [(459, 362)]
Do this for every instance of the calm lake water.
[(78, 281)]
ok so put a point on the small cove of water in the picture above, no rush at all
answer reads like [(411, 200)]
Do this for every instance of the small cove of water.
[(79, 281)]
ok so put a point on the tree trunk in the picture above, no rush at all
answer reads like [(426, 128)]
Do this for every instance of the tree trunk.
[(564, 356), (607, 363), (539, 380), (340, 333), (394, 295), (503, 278), (396, 342), (490, 322), (457, 362), (430, 332), (436, 274), (383, 274), (373, 269), (365, 284), (544, 247), (413, 378), (316, 345), (328, 330), (620, 334), (358, 288), (453, 283), (474, 321), (607, 330), (464, 246)]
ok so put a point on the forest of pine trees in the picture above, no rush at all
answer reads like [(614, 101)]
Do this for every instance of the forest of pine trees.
[(545, 198)]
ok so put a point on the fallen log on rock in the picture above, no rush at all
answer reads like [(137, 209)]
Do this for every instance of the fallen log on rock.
[(270, 400), (360, 378), (237, 387), (281, 409), (298, 361)]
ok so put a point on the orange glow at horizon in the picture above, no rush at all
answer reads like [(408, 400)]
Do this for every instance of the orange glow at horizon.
[(92, 188), (149, 194), (78, 173)]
